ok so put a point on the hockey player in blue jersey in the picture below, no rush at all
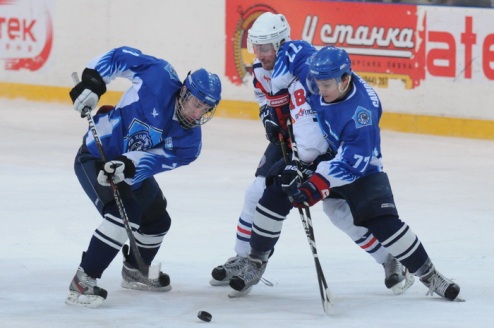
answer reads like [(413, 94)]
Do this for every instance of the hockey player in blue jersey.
[(279, 62), (155, 127), (348, 111)]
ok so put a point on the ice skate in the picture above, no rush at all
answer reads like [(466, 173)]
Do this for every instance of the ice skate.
[(222, 274), (397, 278), (441, 285), (83, 291), (132, 278), (251, 275)]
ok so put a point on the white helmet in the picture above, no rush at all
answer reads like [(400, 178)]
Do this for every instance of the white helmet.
[(268, 28)]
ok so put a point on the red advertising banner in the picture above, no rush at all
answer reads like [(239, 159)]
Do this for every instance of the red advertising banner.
[(26, 33), (384, 41)]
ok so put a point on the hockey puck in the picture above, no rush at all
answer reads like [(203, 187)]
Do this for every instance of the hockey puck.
[(204, 316)]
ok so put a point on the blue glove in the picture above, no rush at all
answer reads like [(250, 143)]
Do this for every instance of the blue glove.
[(311, 191), (274, 121)]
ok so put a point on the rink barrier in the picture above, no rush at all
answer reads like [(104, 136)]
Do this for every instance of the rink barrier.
[(400, 122)]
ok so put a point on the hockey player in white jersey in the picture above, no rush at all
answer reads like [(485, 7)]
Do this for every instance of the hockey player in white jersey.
[(279, 62), (155, 127), (348, 111)]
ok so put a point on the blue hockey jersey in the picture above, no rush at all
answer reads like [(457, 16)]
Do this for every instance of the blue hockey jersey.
[(143, 126), (351, 128)]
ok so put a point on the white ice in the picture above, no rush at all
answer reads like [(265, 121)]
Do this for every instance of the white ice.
[(443, 188)]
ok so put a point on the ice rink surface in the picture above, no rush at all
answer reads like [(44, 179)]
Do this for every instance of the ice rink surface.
[(443, 188)]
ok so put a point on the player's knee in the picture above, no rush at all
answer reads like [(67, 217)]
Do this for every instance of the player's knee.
[(275, 200), (255, 190), (130, 208), (156, 217), (338, 212)]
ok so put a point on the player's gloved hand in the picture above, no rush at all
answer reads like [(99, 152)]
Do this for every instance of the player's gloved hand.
[(311, 191), (290, 179), (274, 121), (85, 95), (118, 170)]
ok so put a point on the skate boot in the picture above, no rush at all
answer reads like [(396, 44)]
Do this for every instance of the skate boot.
[(132, 278), (223, 273), (83, 291), (396, 276), (251, 275), (441, 285)]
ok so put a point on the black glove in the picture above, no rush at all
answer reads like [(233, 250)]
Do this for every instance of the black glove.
[(85, 95), (290, 179), (274, 121), (118, 170)]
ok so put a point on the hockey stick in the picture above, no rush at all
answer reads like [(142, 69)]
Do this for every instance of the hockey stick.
[(142, 267), (305, 216)]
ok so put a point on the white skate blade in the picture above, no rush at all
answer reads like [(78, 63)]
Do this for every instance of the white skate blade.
[(214, 282), (459, 299), (402, 286), (154, 271), (235, 293), (140, 286), (89, 301)]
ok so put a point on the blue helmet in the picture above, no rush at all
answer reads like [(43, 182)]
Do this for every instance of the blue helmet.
[(328, 63), (204, 86)]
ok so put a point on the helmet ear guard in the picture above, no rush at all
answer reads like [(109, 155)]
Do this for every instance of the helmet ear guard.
[(268, 28)]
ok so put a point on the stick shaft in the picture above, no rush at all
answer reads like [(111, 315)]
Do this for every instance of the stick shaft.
[(307, 223), (143, 268)]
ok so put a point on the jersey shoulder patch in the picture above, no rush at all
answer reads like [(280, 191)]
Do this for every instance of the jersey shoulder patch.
[(362, 117), (171, 71)]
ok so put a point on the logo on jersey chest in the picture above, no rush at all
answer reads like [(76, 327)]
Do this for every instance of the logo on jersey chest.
[(362, 117), (303, 112), (139, 141), (141, 136)]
